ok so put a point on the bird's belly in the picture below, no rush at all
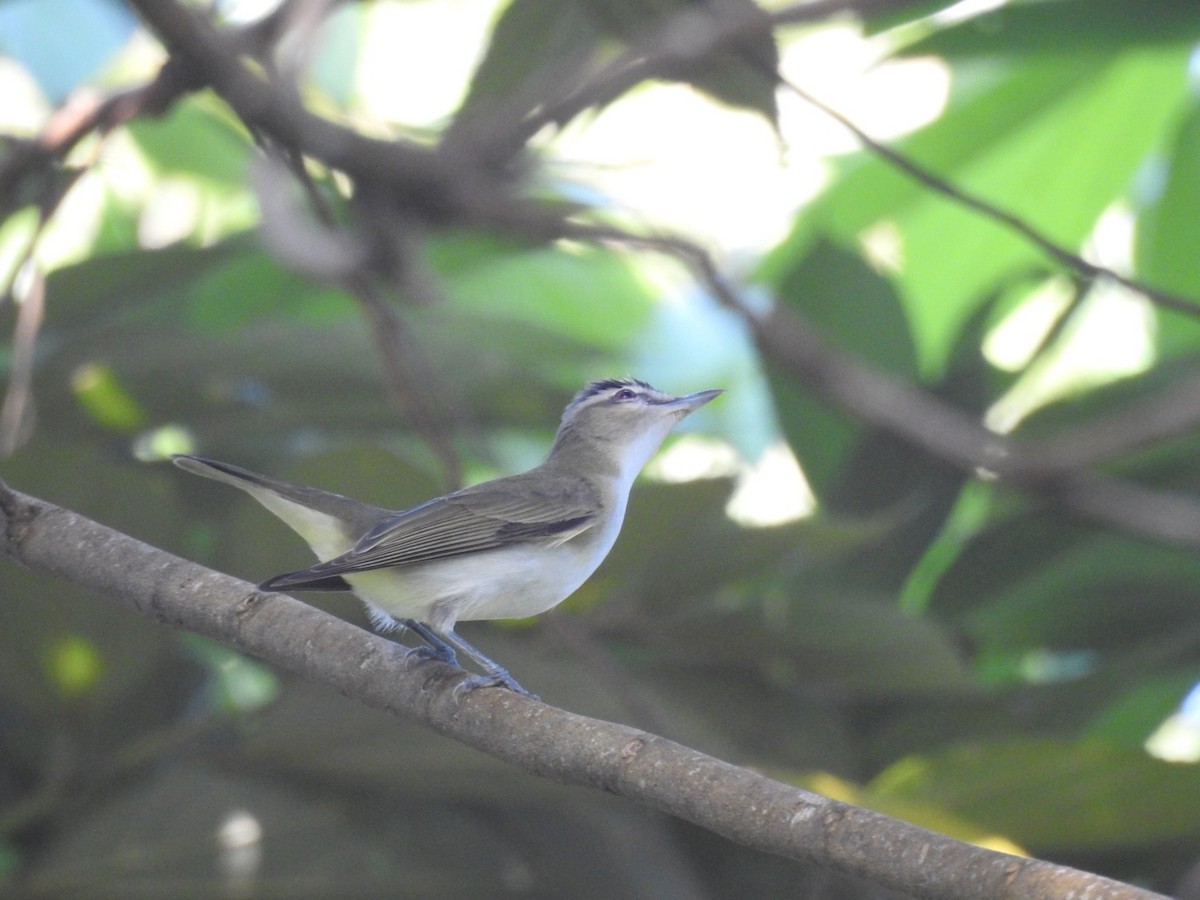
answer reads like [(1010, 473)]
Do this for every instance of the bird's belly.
[(510, 583)]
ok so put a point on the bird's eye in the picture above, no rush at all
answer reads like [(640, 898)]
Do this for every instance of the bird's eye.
[(624, 394)]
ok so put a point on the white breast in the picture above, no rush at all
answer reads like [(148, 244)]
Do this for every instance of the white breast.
[(510, 583)]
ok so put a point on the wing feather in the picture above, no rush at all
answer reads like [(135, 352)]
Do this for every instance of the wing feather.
[(529, 508)]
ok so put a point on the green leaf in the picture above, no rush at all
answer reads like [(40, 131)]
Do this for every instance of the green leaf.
[(540, 46), (818, 636), (1133, 716), (536, 45), (1168, 233), (197, 138), (1074, 587), (1088, 795), (1066, 27), (608, 305), (886, 17), (106, 400), (742, 76), (856, 309)]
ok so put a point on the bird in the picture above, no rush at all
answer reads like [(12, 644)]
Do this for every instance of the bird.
[(512, 547)]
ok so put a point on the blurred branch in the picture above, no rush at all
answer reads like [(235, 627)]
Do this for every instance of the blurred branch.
[(412, 386), (27, 164), (731, 801), (17, 408), (324, 253)]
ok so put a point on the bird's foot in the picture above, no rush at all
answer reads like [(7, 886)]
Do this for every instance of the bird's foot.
[(498, 678), (440, 654)]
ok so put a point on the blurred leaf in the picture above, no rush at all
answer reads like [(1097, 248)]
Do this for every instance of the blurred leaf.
[(678, 548), (866, 644), (74, 665), (105, 400), (857, 310), (198, 138), (1066, 27), (537, 46), (829, 640), (863, 471), (1133, 717), (138, 284), (1168, 233), (886, 17), (742, 76), (609, 303), (240, 684), (1075, 587), (1087, 795)]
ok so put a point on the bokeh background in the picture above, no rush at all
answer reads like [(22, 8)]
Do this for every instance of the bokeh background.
[(795, 589)]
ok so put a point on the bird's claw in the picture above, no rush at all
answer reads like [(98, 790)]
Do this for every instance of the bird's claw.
[(439, 654), (493, 679)]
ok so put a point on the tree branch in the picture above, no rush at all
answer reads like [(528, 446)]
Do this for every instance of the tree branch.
[(734, 802)]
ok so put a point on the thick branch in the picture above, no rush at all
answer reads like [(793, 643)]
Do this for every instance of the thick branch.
[(731, 801)]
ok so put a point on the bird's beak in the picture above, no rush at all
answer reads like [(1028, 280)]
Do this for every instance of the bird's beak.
[(691, 402)]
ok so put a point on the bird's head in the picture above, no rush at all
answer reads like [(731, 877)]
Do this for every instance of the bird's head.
[(624, 418)]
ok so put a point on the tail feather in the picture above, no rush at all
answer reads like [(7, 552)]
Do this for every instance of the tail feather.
[(330, 523)]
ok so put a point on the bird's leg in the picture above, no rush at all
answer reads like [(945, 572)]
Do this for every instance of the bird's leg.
[(496, 674), (437, 648)]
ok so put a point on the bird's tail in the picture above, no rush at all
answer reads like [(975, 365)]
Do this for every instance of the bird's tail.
[(330, 523)]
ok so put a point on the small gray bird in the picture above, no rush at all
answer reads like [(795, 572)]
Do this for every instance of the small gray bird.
[(508, 548)]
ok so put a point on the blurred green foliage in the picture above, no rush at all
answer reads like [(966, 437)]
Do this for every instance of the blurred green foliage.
[(927, 643)]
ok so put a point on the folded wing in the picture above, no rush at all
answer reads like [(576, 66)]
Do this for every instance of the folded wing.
[(549, 511)]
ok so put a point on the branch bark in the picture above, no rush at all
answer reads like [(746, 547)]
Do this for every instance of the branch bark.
[(731, 801)]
